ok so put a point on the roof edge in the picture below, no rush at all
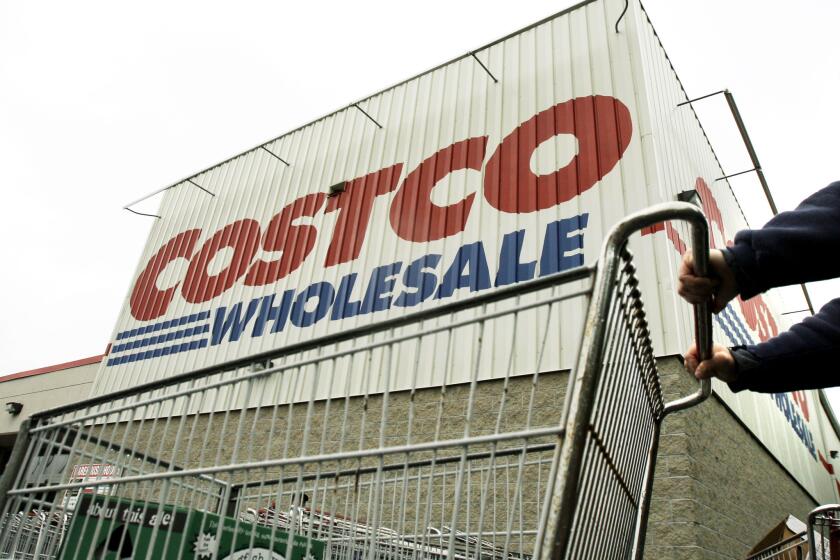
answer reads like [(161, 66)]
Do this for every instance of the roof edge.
[(52, 368), (563, 12)]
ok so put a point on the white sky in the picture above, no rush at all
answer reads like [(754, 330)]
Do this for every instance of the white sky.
[(103, 102)]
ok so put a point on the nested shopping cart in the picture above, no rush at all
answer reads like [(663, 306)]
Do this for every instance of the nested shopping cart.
[(316, 451), (819, 541)]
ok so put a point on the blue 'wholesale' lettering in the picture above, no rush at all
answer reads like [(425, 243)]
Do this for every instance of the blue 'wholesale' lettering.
[(233, 323), (558, 242), (796, 422), (325, 294), (472, 259), (511, 270), (423, 283), (343, 307), (378, 295), (395, 285), (278, 314)]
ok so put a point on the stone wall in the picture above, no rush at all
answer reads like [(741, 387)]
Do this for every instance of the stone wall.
[(717, 490)]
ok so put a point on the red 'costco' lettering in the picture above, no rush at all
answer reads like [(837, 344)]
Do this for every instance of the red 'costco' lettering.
[(295, 242), (601, 125), (147, 301), (413, 214), (243, 236), (355, 205)]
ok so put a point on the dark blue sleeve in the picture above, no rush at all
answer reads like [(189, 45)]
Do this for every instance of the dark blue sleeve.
[(797, 246), (804, 357)]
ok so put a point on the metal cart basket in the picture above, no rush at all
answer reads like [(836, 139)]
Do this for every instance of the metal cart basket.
[(819, 541), (273, 456)]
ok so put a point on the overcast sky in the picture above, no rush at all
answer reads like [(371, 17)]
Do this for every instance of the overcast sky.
[(103, 102)]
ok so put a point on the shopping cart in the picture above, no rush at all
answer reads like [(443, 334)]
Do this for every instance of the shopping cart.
[(38, 531), (315, 450), (820, 541)]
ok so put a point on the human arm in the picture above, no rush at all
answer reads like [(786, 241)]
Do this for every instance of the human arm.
[(804, 357), (793, 247)]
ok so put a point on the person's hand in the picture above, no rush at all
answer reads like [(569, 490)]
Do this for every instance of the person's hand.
[(719, 286), (720, 365)]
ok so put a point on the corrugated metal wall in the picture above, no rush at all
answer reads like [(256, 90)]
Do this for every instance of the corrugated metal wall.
[(440, 175), (570, 74)]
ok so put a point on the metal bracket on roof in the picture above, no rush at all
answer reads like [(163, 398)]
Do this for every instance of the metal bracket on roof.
[(200, 187), (187, 180), (736, 174), (356, 105), (337, 189), (275, 155), (690, 101), (489, 73), (141, 213), (624, 11), (745, 136)]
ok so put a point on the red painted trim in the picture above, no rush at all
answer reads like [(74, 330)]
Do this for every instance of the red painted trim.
[(50, 369), (826, 465), (653, 229)]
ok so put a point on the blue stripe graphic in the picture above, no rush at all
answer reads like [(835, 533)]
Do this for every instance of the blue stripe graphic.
[(164, 325), (739, 338), (738, 325), (725, 329), (174, 335), (748, 339), (158, 352)]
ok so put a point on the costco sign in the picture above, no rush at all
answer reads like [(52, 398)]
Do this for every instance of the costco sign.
[(471, 183), (602, 127)]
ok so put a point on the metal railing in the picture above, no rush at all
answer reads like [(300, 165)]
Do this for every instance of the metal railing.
[(820, 541), (41, 535), (323, 453), (824, 532)]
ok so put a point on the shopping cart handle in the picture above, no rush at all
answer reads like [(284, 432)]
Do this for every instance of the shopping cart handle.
[(686, 402), (700, 249), (702, 311)]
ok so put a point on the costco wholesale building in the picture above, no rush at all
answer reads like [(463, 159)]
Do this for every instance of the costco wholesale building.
[(501, 167)]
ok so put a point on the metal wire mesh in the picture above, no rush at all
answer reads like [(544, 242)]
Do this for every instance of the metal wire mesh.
[(41, 535), (824, 533), (452, 469), (821, 541), (792, 548), (627, 408), (319, 453)]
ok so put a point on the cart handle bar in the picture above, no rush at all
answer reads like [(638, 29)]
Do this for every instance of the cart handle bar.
[(616, 240)]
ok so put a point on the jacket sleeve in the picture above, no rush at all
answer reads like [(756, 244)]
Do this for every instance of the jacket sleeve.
[(797, 246), (804, 357)]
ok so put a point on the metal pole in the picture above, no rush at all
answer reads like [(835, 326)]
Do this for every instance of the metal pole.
[(745, 136), (16, 460)]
